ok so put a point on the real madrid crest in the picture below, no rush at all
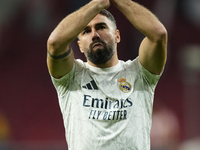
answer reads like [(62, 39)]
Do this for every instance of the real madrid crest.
[(124, 86)]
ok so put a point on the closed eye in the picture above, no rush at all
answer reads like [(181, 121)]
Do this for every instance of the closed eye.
[(86, 31), (98, 26), (101, 27)]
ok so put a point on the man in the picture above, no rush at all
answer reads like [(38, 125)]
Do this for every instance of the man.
[(106, 103)]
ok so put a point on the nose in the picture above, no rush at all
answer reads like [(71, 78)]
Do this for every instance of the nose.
[(95, 35)]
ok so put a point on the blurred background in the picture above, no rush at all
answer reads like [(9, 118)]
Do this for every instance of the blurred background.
[(30, 117)]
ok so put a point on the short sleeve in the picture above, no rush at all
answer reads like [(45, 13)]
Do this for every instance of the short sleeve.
[(62, 84), (149, 77)]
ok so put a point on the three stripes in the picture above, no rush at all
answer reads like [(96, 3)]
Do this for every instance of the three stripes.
[(91, 86)]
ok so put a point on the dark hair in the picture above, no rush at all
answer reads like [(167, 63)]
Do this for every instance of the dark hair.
[(106, 13)]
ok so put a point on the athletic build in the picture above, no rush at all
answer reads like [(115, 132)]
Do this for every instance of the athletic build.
[(106, 103)]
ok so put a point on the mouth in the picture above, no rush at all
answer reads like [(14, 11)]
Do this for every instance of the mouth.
[(97, 45)]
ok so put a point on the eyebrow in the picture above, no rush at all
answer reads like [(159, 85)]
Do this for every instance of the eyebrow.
[(96, 25), (101, 24)]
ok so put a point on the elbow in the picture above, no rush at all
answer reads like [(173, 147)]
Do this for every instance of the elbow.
[(56, 43), (55, 46), (161, 35), (52, 43)]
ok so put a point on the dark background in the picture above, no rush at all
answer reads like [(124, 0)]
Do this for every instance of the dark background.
[(28, 101)]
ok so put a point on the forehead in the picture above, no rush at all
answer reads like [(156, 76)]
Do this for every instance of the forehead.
[(100, 19)]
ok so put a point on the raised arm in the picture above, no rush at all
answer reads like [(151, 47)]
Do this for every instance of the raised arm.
[(153, 49), (60, 56)]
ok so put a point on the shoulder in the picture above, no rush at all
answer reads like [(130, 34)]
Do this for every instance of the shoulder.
[(136, 68), (77, 68), (79, 62), (130, 64)]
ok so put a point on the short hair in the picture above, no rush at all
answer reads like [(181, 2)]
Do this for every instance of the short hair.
[(106, 13)]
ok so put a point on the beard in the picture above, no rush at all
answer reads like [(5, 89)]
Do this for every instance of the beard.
[(100, 55)]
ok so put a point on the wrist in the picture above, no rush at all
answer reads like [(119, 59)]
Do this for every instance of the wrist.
[(119, 3), (101, 4)]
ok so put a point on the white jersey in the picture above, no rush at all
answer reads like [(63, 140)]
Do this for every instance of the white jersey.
[(107, 109)]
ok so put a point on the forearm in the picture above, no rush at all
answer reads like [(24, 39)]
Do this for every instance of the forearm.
[(69, 28), (141, 18)]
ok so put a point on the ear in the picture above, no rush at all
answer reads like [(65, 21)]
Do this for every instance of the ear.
[(117, 36), (80, 47)]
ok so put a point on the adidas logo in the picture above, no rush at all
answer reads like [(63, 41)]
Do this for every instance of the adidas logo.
[(91, 86)]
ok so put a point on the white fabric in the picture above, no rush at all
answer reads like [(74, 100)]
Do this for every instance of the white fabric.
[(107, 117)]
